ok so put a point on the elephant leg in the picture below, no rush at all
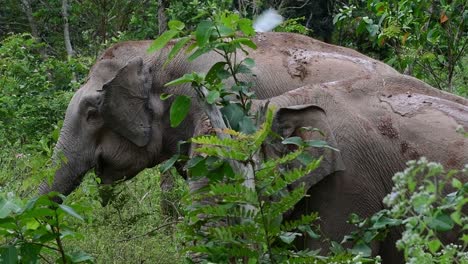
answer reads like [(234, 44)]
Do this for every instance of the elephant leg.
[(335, 198), (388, 251)]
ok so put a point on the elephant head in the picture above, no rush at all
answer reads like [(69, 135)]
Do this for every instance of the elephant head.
[(109, 125)]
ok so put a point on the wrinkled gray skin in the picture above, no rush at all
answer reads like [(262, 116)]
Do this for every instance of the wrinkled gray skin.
[(378, 118)]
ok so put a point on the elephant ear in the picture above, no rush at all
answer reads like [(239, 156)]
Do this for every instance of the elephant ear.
[(125, 103), (292, 121)]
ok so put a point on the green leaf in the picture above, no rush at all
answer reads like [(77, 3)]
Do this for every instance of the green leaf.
[(30, 253), (198, 52), (233, 114), (456, 217), (9, 254), (293, 141), (245, 25), (203, 32), (434, 245), (212, 97), (457, 183), (319, 144), (249, 62), (361, 248), (9, 205), (212, 75), (175, 50), (179, 110), (305, 158), (288, 237), (80, 256), (176, 25), (441, 222), (165, 96), (187, 78), (166, 165), (70, 211), (309, 231), (336, 248), (247, 126), (162, 40), (246, 42)]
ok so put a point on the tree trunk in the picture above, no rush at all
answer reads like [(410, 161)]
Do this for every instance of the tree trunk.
[(66, 30), (162, 18), (26, 6)]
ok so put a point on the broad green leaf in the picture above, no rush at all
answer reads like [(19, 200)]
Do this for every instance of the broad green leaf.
[(288, 237), (319, 144), (456, 217), (336, 248), (456, 183), (434, 245), (305, 158), (80, 256), (246, 42), (249, 62), (245, 25), (70, 211), (361, 248), (203, 32), (198, 52), (225, 31), (187, 78), (293, 141), (9, 254), (166, 165), (441, 222), (9, 205), (30, 253), (309, 231), (175, 50), (243, 69), (179, 110), (247, 126), (162, 40), (212, 97), (212, 74), (176, 25), (233, 114)]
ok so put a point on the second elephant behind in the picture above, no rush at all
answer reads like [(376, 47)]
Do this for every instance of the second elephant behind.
[(378, 124)]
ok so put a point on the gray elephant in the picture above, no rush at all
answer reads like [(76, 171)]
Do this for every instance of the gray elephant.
[(117, 124)]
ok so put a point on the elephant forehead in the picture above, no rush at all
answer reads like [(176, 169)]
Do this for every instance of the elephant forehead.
[(102, 72)]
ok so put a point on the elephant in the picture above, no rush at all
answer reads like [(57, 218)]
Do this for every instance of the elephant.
[(117, 123)]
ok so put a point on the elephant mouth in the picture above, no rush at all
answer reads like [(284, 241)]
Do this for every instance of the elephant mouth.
[(109, 174)]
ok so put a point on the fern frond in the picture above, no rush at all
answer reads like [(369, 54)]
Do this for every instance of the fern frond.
[(265, 129), (305, 220), (214, 141), (293, 175), (276, 209), (275, 163), (234, 193), (233, 154)]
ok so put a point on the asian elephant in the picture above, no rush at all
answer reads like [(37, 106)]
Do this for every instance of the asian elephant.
[(117, 124)]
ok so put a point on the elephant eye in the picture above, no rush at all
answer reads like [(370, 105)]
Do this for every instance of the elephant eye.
[(92, 114)]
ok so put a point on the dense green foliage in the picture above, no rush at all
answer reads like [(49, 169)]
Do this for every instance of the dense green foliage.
[(426, 39), (33, 87)]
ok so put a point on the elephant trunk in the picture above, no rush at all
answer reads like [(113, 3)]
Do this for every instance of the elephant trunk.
[(72, 163)]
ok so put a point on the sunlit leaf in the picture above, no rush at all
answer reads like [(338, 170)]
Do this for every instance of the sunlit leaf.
[(67, 209), (162, 40), (179, 110)]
